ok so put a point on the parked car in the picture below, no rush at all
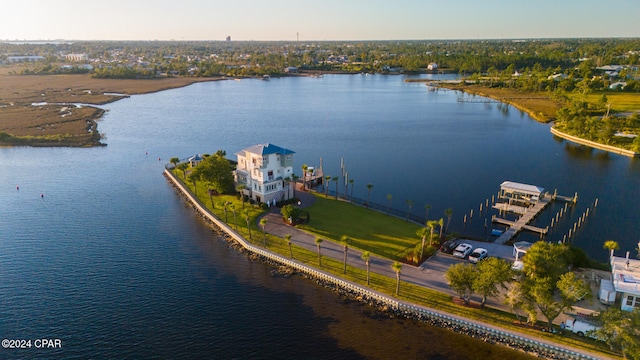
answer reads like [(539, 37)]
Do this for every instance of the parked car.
[(477, 254), (581, 327), (448, 246), (462, 251)]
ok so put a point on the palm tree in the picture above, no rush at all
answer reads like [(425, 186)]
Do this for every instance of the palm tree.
[(389, 198), (439, 223), (611, 245), (366, 256), (287, 184), (304, 176), (369, 188), (449, 213), (235, 219), (240, 189), (335, 179), (247, 218), (294, 179), (210, 192), (410, 205), (194, 176), (397, 267), (287, 239), (326, 185), (345, 242), (174, 161), (423, 232), (513, 299), (318, 242), (263, 223), (183, 167), (426, 215), (431, 224), (351, 196), (224, 205)]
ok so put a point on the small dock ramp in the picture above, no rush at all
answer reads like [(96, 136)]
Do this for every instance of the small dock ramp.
[(523, 221)]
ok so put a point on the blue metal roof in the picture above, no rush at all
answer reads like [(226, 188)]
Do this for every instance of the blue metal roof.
[(266, 149)]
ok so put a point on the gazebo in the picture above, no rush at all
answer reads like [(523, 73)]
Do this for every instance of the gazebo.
[(520, 248)]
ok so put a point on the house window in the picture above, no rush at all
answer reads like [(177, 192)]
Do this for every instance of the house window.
[(633, 301), (289, 157)]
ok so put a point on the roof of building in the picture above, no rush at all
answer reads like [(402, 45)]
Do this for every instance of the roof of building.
[(521, 188), (265, 149), (626, 274)]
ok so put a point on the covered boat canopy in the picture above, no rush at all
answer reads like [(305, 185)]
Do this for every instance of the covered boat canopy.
[(514, 187)]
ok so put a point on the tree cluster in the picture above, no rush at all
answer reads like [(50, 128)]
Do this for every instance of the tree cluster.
[(546, 284), (535, 59), (216, 172), (486, 278)]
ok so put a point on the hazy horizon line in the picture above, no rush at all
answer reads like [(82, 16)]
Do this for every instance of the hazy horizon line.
[(325, 40)]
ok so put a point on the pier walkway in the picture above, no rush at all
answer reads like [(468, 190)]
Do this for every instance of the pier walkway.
[(522, 223)]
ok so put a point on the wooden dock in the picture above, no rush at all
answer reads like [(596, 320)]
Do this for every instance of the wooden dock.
[(523, 222)]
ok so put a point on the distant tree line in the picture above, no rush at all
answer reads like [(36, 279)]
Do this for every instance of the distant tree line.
[(466, 57)]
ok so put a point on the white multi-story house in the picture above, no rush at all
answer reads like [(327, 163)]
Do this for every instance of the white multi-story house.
[(264, 170), (626, 280)]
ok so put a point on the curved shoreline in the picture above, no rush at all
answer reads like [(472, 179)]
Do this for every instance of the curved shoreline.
[(592, 144), (385, 303), (553, 130), (539, 117)]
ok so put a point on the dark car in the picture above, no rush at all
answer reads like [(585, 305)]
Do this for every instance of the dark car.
[(448, 246)]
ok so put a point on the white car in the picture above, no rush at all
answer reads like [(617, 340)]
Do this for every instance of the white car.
[(462, 250), (477, 254)]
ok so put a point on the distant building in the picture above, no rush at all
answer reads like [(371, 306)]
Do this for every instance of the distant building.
[(263, 170), (13, 59), (617, 85), (228, 38), (195, 160), (77, 57), (291, 69), (557, 77), (432, 66)]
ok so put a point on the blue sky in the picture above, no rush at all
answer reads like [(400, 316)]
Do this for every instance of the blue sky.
[(317, 20)]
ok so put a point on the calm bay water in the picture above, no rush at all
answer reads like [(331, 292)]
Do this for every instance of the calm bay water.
[(112, 262)]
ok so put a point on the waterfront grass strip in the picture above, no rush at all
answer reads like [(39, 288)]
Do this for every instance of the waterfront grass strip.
[(409, 292)]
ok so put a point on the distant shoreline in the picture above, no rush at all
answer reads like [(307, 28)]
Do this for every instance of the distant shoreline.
[(536, 115), (592, 144)]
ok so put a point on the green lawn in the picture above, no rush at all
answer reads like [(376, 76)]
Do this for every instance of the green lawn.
[(621, 102), (375, 232), (380, 234)]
